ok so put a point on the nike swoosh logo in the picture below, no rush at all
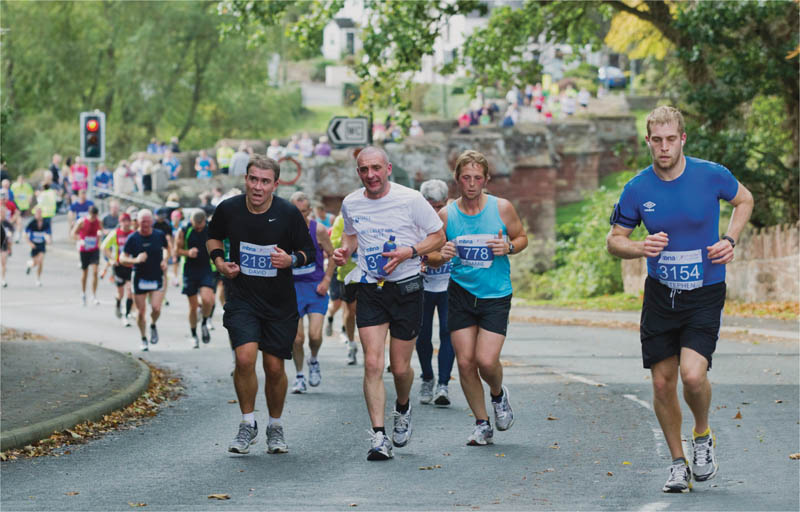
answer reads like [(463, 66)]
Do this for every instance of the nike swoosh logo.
[(272, 220)]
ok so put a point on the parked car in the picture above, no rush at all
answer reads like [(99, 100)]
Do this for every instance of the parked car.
[(611, 77)]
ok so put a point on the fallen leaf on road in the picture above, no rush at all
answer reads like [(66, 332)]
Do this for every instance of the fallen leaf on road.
[(738, 415), (778, 401), (551, 418), (626, 463), (795, 456), (219, 496), (610, 473), (71, 493), (3, 457), (232, 402), (132, 504), (353, 505), (84, 396), (74, 435)]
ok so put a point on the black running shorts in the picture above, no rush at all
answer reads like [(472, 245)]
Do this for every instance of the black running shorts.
[(122, 274), (382, 305), (192, 282), (672, 319), (465, 310), (274, 336), (89, 258)]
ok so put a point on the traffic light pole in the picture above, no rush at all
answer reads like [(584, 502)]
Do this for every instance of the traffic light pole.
[(90, 185)]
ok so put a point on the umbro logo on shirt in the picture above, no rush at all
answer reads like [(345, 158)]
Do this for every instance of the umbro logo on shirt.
[(649, 206)]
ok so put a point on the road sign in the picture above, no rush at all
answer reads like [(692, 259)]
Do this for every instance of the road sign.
[(349, 131)]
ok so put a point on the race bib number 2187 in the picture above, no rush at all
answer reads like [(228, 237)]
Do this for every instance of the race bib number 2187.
[(254, 260)]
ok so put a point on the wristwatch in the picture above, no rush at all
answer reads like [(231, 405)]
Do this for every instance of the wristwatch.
[(414, 252), (731, 240), (510, 247)]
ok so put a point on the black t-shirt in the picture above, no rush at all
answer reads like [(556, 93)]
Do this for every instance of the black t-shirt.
[(163, 226), (55, 172), (153, 245), (201, 264), (268, 290)]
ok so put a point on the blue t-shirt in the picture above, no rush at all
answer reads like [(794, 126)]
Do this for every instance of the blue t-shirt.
[(152, 244), (36, 233), (687, 210), (80, 210), (104, 180)]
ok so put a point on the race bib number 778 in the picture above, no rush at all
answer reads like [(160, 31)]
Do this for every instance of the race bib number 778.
[(474, 251)]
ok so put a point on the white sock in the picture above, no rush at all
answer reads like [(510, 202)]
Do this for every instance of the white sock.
[(250, 418), (274, 421), (234, 356), (352, 343), (312, 359)]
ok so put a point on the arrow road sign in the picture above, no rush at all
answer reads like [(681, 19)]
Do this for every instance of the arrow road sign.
[(348, 131)]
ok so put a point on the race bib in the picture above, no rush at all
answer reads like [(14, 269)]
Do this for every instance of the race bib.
[(307, 269), (375, 261), (37, 237), (254, 260), (681, 270), (148, 284), (443, 271), (473, 251), (90, 243)]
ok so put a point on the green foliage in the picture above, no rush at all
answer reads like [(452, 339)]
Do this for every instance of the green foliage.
[(157, 69), (583, 266)]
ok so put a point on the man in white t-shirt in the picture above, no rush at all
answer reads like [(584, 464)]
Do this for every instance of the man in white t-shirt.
[(390, 285)]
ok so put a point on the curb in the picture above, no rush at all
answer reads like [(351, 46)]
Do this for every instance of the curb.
[(22, 436)]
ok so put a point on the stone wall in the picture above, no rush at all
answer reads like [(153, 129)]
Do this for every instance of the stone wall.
[(766, 267), (536, 166)]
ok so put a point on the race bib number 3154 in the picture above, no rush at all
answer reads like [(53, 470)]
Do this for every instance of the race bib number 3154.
[(254, 260), (681, 270)]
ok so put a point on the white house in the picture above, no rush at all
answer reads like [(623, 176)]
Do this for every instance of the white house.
[(340, 38)]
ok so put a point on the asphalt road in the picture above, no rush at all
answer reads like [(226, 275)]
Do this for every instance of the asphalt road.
[(584, 438)]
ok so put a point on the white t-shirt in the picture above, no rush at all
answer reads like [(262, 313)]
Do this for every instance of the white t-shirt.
[(403, 212)]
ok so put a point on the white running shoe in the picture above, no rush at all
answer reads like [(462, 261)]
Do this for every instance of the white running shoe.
[(401, 433), (38, 284), (299, 385), (503, 415), (381, 447), (481, 436), (426, 392), (704, 458), (314, 373), (95, 301)]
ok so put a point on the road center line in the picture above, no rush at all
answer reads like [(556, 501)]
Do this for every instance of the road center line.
[(578, 378), (639, 401), (655, 506)]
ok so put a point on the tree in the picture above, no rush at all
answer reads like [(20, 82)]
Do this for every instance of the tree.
[(727, 57)]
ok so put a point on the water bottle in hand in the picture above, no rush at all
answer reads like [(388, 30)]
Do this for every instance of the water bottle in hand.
[(388, 246)]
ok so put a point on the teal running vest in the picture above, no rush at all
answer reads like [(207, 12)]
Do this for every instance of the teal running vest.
[(475, 268)]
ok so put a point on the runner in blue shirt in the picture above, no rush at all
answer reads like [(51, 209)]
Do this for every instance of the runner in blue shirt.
[(677, 199)]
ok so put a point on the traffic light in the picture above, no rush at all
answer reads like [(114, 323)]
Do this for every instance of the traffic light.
[(93, 136)]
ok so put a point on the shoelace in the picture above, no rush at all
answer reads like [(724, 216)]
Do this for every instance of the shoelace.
[(500, 408), (275, 434), (244, 433), (401, 423), (702, 451), (678, 472), (376, 438)]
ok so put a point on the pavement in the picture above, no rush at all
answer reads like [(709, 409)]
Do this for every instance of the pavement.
[(50, 386)]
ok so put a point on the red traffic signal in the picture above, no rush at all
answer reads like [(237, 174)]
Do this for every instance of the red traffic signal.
[(92, 125)]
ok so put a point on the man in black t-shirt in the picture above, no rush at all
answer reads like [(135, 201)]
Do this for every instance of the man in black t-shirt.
[(146, 250), (198, 276), (268, 236)]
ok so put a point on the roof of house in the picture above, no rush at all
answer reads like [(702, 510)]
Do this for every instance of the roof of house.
[(345, 23)]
